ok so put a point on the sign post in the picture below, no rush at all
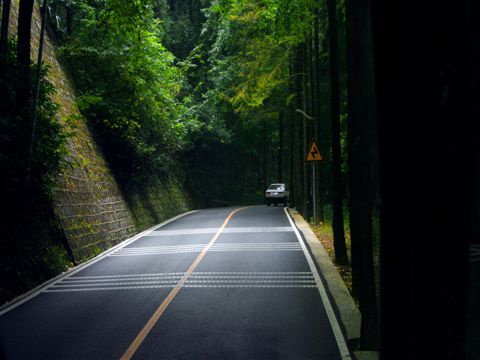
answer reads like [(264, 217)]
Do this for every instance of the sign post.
[(314, 156)]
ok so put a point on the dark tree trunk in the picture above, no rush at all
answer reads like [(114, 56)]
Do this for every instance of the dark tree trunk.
[(424, 97), (298, 131), (318, 131), (4, 33), (23, 96), (313, 128), (36, 91), (361, 152), (280, 145), (69, 11), (305, 103), (264, 154), (292, 116), (337, 185)]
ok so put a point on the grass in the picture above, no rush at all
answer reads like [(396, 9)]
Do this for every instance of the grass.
[(324, 233)]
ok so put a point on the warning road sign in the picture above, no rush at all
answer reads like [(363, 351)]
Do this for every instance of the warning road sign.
[(313, 154)]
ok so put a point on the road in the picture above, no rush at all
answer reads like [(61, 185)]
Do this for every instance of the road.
[(224, 283)]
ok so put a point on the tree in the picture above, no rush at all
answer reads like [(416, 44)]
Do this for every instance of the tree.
[(23, 93), (361, 152), (4, 29), (317, 110), (337, 181), (133, 91), (281, 137), (426, 98), (36, 88)]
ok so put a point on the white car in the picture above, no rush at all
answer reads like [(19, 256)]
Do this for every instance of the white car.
[(276, 194)]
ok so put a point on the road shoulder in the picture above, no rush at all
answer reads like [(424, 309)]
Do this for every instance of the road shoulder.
[(19, 300), (349, 314)]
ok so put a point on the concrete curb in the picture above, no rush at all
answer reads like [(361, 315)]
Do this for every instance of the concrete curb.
[(349, 314)]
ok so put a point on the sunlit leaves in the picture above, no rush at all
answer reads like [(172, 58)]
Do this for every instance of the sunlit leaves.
[(129, 83), (254, 39)]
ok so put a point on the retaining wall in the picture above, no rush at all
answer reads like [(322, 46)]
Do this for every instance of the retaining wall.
[(88, 203)]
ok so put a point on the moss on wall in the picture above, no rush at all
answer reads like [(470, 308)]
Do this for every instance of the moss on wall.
[(157, 201)]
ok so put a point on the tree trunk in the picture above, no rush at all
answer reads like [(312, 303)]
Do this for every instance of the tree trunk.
[(305, 192), (318, 134), (264, 154), (337, 182), (43, 14), (23, 96), (298, 131), (292, 116), (3, 50), (314, 123), (280, 145), (69, 11), (425, 101), (361, 152), (4, 33)]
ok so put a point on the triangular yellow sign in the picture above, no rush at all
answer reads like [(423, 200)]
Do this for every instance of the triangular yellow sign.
[(314, 154)]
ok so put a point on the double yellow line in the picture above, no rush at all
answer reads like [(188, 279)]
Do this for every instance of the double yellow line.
[(163, 306)]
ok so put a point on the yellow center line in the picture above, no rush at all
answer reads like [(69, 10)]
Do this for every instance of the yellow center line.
[(163, 306)]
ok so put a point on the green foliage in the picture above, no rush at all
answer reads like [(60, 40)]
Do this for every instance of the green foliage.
[(31, 248), (256, 40), (243, 75), (48, 145), (57, 259), (130, 87)]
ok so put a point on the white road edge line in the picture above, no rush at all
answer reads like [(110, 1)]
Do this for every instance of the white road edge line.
[(48, 284), (337, 331)]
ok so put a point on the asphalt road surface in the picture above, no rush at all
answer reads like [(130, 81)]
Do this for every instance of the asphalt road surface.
[(213, 284)]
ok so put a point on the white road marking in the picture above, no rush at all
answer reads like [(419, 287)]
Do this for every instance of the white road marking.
[(178, 249), (184, 286), (200, 279), (41, 288), (225, 230), (342, 345), (81, 281), (232, 281), (201, 273), (201, 246)]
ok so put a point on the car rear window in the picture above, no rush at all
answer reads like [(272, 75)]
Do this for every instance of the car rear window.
[(275, 187)]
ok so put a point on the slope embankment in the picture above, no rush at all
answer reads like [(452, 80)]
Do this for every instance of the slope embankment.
[(93, 211)]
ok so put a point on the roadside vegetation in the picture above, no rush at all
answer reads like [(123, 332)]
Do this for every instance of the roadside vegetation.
[(324, 232), (31, 246), (230, 93)]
